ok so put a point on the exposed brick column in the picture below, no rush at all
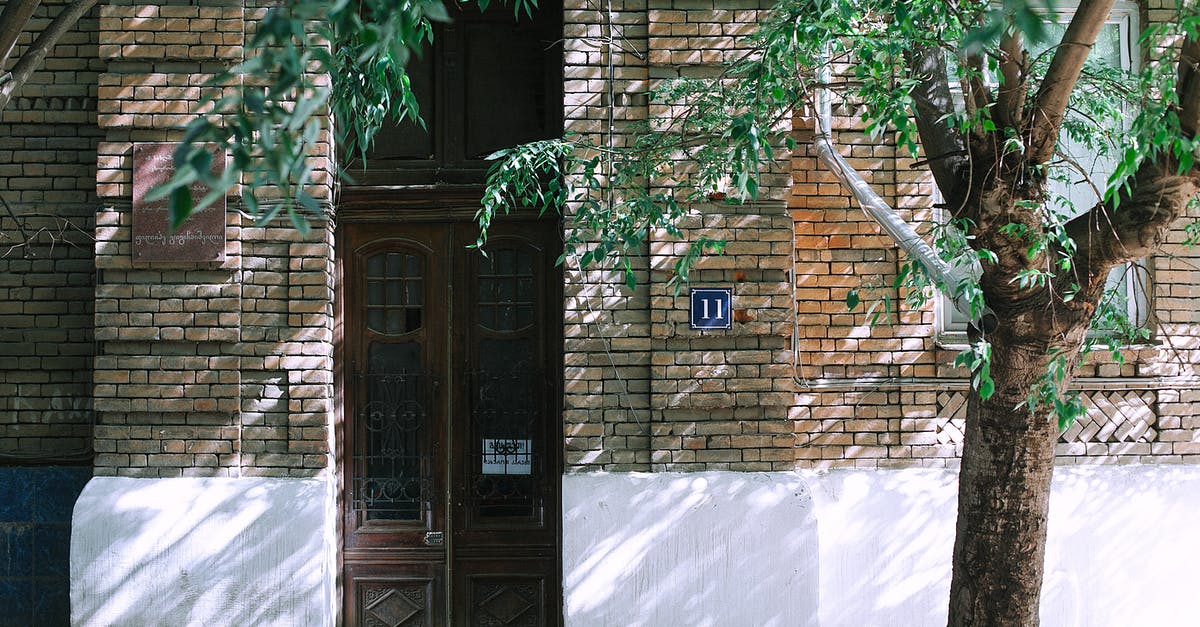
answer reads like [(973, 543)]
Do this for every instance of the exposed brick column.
[(607, 346), (48, 143), (204, 368)]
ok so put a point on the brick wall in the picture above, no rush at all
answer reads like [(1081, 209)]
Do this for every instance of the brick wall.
[(646, 393), (643, 391), (205, 369), (47, 173), (226, 369)]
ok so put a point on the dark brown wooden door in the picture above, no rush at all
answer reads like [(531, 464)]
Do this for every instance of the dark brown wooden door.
[(451, 362)]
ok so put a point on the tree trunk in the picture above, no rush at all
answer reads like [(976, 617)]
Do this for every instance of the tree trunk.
[(1003, 497)]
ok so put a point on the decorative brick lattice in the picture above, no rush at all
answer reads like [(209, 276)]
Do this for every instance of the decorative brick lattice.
[(1115, 417)]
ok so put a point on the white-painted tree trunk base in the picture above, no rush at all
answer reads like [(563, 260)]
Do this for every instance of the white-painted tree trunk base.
[(204, 552)]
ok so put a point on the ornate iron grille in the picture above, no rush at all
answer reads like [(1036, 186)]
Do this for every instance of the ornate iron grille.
[(508, 456), (392, 465)]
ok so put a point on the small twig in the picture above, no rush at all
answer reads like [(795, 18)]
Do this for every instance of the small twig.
[(20, 227), (1087, 178), (927, 161)]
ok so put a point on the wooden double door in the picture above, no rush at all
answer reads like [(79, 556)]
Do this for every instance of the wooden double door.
[(451, 362)]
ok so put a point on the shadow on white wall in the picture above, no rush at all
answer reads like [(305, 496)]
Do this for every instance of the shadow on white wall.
[(203, 552), (1122, 547), (710, 549)]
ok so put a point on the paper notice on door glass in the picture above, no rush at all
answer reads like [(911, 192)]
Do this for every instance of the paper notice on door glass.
[(507, 457)]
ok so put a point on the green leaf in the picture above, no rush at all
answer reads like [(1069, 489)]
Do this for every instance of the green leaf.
[(436, 11), (987, 387), (180, 206)]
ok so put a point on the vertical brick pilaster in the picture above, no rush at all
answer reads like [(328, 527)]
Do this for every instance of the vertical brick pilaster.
[(205, 369)]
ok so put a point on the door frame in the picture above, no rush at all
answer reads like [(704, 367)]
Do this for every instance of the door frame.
[(416, 206)]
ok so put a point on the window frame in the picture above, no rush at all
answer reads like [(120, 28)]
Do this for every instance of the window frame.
[(1136, 275), (445, 110)]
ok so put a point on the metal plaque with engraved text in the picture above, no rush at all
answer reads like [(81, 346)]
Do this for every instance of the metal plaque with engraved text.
[(200, 239)]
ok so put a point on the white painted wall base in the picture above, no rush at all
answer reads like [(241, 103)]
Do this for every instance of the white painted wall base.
[(1123, 547), (204, 552), (712, 549), (868, 548)]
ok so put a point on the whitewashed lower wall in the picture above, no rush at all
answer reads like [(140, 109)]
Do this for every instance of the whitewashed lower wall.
[(868, 548), (714, 549), (204, 552), (1123, 546)]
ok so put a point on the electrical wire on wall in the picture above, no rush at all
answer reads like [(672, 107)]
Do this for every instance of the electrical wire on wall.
[(609, 43)]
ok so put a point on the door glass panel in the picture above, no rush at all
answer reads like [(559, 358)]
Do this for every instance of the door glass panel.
[(392, 471), (395, 282), (391, 468), (506, 290), (508, 460)]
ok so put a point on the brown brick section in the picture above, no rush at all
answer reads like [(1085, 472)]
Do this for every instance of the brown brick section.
[(47, 170)]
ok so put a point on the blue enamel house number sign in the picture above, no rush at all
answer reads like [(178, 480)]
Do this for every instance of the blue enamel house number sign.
[(712, 308)]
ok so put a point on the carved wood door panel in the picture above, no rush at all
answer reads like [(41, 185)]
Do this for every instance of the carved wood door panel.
[(450, 466)]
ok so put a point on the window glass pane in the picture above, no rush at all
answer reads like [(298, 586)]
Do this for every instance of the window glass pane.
[(394, 293), (509, 87), (1071, 185), (408, 140)]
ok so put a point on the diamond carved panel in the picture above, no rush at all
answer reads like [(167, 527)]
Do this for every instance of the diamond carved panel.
[(394, 605), (517, 604)]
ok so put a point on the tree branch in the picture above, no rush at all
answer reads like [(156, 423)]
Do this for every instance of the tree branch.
[(1014, 70), (1188, 87), (976, 94), (32, 59), (1105, 237), (13, 21), (943, 145), (1158, 195), (1050, 103)]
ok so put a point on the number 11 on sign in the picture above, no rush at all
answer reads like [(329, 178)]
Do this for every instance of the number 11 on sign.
[(710, 308)]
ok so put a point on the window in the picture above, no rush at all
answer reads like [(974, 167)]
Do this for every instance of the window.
[(1116, 47), (489, 81)]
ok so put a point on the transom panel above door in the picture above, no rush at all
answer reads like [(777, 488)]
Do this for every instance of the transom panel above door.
[(450, 366)]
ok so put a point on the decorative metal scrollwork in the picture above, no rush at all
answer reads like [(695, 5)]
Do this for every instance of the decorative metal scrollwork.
[(508, 455), (391, 458)]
